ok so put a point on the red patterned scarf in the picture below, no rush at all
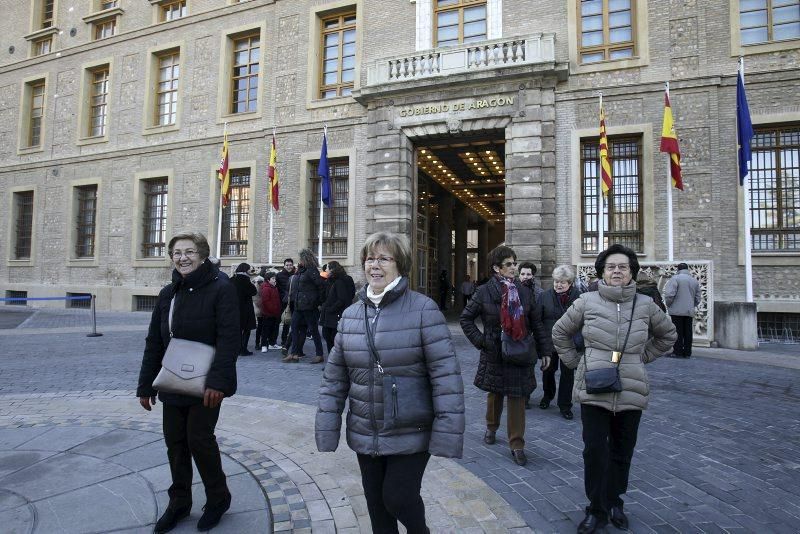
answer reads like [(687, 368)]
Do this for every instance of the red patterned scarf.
[(511, 318)]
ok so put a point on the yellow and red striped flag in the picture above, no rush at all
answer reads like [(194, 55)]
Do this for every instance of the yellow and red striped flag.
[(272, 172), (605, 164), (669, 143), (224, 172)]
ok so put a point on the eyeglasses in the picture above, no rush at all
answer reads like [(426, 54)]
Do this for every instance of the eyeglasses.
[(509, 264), (188, 253), (622, 267), (383, 261)]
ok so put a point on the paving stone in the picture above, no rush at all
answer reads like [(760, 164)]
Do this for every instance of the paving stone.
[(115, 442)]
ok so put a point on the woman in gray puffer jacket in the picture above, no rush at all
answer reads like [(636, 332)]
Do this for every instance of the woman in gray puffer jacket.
[(411, 339), (613, 320)]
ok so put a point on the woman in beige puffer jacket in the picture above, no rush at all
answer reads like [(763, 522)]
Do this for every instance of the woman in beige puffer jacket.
[(611, 420)]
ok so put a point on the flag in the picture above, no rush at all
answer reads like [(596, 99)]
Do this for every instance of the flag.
[(605, 164), (272, 172), (224, 173), (325, 173), (669, 143), (744, 129)]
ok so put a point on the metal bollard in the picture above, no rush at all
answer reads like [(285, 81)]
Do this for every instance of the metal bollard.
[(94, 332)]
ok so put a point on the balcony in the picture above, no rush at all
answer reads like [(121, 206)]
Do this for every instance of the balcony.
[(463, 59)]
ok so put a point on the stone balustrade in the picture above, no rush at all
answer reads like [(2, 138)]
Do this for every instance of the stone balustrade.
[(492, 54)]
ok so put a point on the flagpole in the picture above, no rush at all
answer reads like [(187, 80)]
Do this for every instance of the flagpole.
[(600, 198), (748, 260), (270, 206), (321, 205), (669, 197), (219, 215)]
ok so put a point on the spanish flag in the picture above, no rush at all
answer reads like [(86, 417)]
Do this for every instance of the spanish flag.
[(605, 164), (224, 173), (273, 175), (669, 143)]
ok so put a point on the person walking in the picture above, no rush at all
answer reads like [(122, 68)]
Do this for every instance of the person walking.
[(392, 334), (340, 294), (505, 305), (683, 296), (198, 305), (247, 317), (554, 303), (467, 288), (271, 312), (307, 290), (282, 280), (623, 330)]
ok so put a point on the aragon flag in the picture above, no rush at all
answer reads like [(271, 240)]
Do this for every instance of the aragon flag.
[(273, 175), (669, 143), (224, 172), (605, 165)]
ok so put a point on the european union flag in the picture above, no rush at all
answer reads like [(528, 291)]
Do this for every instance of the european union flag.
[(325, 173), (744, 129)]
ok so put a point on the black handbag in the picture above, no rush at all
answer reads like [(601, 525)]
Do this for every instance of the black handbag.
[(407, 400), (517, 352), (606, 379)]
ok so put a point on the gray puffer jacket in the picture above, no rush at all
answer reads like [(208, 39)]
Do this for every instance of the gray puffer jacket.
[(603, 317), (412, 339), (682, 294)]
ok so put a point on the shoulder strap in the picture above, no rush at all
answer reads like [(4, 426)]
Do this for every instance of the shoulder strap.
[(371, 341), (171, 309), (625, 344)]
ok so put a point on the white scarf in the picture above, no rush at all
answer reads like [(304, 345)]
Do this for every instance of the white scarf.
[(376, 298)]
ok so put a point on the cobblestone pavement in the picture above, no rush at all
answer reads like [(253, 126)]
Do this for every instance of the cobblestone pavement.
[(718, 448)]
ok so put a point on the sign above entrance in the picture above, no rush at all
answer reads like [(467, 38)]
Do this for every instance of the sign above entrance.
[(457, 105)]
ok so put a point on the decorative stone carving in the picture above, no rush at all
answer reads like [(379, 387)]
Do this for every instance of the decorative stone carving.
[(286, 89), (289, 28), (454, 126), (65, 83)]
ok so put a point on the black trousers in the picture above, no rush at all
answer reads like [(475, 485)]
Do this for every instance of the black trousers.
[(302, 322), (608, 442), (245, 340), (270, 335), (260, 339), (329, 334), (285, 330), (565, 383), (189, 433), (391, 487), (683, 345)]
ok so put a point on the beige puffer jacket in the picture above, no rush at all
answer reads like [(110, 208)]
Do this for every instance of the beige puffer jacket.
[(603, 318)]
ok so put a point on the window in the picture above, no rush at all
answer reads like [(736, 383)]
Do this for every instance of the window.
[(36, 92), (246, 58), (145, 302), (459, 21), (23, 295), (338, 55), (606, 30), (86, 220), (154, 218), (775, 189), (47, 13), (82, 302), (622, 216), (107, 4), (769, 20), (23, 228), (105, 28), (167, 92), (236, 215), (334, 224), (172, 10), (98, 115), (43, 46)]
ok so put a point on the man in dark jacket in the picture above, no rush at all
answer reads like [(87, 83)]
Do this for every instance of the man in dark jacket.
[(307, 291), (283, 277), (341, 291), (245, 290)]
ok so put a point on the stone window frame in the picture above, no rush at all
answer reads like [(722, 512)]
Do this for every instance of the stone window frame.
[(11, 235), (137, 257), (339, 86), (775, 259), (646, 201), (641, 41), (150, 124), (314, 72), (88, 70), (38, 10), (459, 7), (425, 29), (161, 9), (38, 44), (25, 115), (72, 259), (314, 199), (94, 20), (255, 213), (225, 87), (739, 49), (607, 47), (304, 231), (245, 207)]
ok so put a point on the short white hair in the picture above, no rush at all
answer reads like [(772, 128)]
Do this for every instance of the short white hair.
[(564, 273)]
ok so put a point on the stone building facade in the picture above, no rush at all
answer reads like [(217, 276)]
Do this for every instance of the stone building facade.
[(527, 89)]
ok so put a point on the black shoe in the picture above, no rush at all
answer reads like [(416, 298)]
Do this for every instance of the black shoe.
[(284, 350), (618, 518), (591, 524), (170, 518), (567, 414), (519, 457), (212, 514), (544, 404), (489, 437), (247, 353)]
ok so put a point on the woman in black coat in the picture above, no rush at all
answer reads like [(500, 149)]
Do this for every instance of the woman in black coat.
[(245, 290), (498, 378), (204, 309), (341, 291), (307, 291)]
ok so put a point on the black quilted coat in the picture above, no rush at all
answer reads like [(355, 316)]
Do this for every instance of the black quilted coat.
[(493, 374)]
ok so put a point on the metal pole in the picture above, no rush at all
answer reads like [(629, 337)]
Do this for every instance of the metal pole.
[(271, 211), (748, 260), (600, 199), (94, 332), (669, 198)]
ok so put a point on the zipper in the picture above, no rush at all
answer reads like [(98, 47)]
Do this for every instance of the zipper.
[(394, 399), (372, 395), (614, 397)]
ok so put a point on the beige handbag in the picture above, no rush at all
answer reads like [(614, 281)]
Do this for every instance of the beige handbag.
[(286, 316), (185, 365)]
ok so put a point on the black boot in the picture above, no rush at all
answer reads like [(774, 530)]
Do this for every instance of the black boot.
[(170, 518), (618, 518), (591, 524), (212, 514)]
